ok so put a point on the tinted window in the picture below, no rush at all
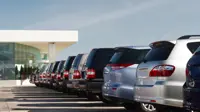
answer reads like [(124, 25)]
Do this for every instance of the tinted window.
[(193, 46), (55, 66), (50, 67), (128, 56), (43, 68), (77, 61), (60, 66), (98, 59), (68, 63), (90, 57), (159, 53)]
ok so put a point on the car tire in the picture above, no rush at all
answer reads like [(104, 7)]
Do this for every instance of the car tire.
[(129, 106), (145, 107), (92, 97), (105, 100), (81, 94), (37, 85)]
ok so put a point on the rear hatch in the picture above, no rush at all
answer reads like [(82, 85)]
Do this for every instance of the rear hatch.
[(193, 66), (74, 69), (53, 70), (96, 61), (59, 68), (67, 66), (124, 60), (153, 65)]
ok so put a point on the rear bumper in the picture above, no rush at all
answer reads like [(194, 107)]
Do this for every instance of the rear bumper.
[(191, 100), (118, 91), (85, 85), (117, 100), (91, 86)]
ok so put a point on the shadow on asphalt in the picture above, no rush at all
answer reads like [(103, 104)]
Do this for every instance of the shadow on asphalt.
[(37, 99)]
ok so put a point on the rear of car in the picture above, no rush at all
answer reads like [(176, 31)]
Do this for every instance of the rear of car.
[(65, 72), (192, 86), (160, 77), (58, 78), (41, 74), (75, 71), (92, 74), (52, 78), (120, 74), (47, 76)]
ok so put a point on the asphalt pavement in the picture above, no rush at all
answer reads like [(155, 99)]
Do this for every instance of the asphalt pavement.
[(35, 99)]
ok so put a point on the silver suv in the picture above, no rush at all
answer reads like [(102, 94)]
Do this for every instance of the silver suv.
[(120, 74), (162, 74)]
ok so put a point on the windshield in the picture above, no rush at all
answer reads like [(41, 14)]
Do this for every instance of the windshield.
[(128, 56), (77, 60), (68, 63), (197, 52), (60, 66), (159, 53)]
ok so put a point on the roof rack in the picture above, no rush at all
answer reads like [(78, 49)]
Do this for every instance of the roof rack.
[(187, 37)]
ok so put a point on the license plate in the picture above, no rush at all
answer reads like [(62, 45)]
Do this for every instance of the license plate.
[(75, 84)]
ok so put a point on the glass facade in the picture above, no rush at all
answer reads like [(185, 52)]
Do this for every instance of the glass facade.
[(13, 55)]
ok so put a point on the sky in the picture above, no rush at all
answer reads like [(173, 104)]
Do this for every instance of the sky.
[(104, 23)]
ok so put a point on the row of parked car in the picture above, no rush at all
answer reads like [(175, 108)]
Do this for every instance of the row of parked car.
[(165, 74)]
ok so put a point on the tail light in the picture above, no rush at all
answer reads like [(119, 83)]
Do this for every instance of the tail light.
[(58, 76), (43, 76), (162, 71), (76, 74), (187, 72), (48, 75), (66, 74), (118, 66), (53, 75), (40, 75), (91, 74)]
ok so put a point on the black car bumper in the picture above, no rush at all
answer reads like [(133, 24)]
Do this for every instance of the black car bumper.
[(191, 100), (93, 86)]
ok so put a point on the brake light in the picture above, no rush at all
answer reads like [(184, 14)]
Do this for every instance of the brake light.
[(40, 75), (66, 74), (76, 74), (53, 75), (187, 72), (58, 77), (162, 71), (43, 76), (91, 74), (118, 66)]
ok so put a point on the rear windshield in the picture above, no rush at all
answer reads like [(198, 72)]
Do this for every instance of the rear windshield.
[(159, 53), (128, 56), (55, 66), (50, 67), (98, 58), (197, 52), (193, 46), (68, 63), (77, 60), (43, 68), (60, 66)]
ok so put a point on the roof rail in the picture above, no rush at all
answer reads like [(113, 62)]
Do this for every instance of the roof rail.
[(187, 37)]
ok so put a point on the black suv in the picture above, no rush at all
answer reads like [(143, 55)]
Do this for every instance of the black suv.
[(92, 73), (58, 77), (65, 73), (75, 71), (52, 74)]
